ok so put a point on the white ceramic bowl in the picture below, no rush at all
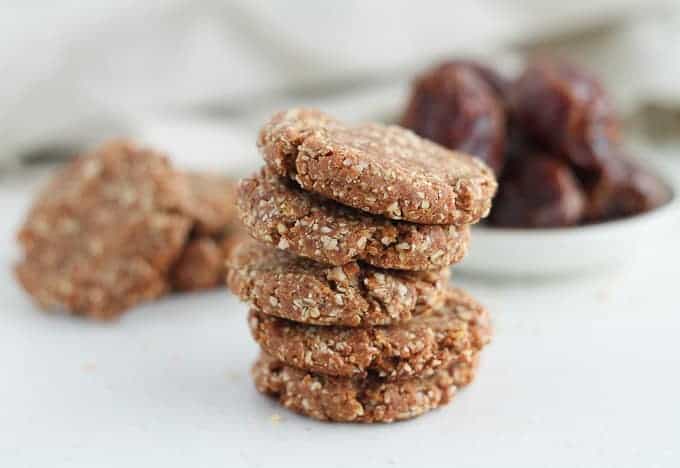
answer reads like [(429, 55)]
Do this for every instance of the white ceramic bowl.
[(541, 252)]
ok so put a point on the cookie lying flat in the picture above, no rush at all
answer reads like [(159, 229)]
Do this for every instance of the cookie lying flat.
[(275, 211), (280, 284), (355, 400), (105, 231), (387, 171), (454, 331)]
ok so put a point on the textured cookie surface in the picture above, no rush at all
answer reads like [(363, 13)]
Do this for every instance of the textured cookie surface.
[(103, 234), (274, 210), (453, 331), (382, 170), (358, 400), (280, 284)]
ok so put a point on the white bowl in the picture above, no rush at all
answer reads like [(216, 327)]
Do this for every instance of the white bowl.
[(559, 251)]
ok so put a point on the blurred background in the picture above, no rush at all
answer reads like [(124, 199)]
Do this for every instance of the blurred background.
[(197, 77)]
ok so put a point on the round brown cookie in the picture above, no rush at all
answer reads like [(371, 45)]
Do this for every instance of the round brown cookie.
[(454, 331), (280, 284), (388, 171), (202, 263), (357, 400), (211, 204), (105, 231), (216, 230), (274, 210)]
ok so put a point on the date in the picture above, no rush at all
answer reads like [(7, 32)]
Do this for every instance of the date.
[(455, 106)]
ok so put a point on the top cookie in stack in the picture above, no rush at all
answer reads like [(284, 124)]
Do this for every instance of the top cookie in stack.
[(387, 171), (369, 218)]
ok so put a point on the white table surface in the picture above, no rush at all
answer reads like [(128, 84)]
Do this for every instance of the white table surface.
[(582, 372)]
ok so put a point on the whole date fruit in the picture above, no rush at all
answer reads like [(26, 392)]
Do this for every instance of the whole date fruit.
[(627, 189), (537, 191), (497, 82), (568, 112), (453, 105)]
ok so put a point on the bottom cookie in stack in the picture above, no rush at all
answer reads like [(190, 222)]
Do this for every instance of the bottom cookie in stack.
[(376, 374), (367, 400)]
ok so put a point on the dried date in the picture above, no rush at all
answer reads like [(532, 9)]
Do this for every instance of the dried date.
[(453, 105)]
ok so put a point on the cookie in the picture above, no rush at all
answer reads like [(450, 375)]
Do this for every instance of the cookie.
[(280, 284), (202, 264), (383, 170), (274, 210), (357, 400), (215, 233), (211, 204), (453, 331), (104, 233)]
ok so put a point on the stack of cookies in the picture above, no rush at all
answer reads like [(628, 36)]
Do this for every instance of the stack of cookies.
[(354, 230)]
